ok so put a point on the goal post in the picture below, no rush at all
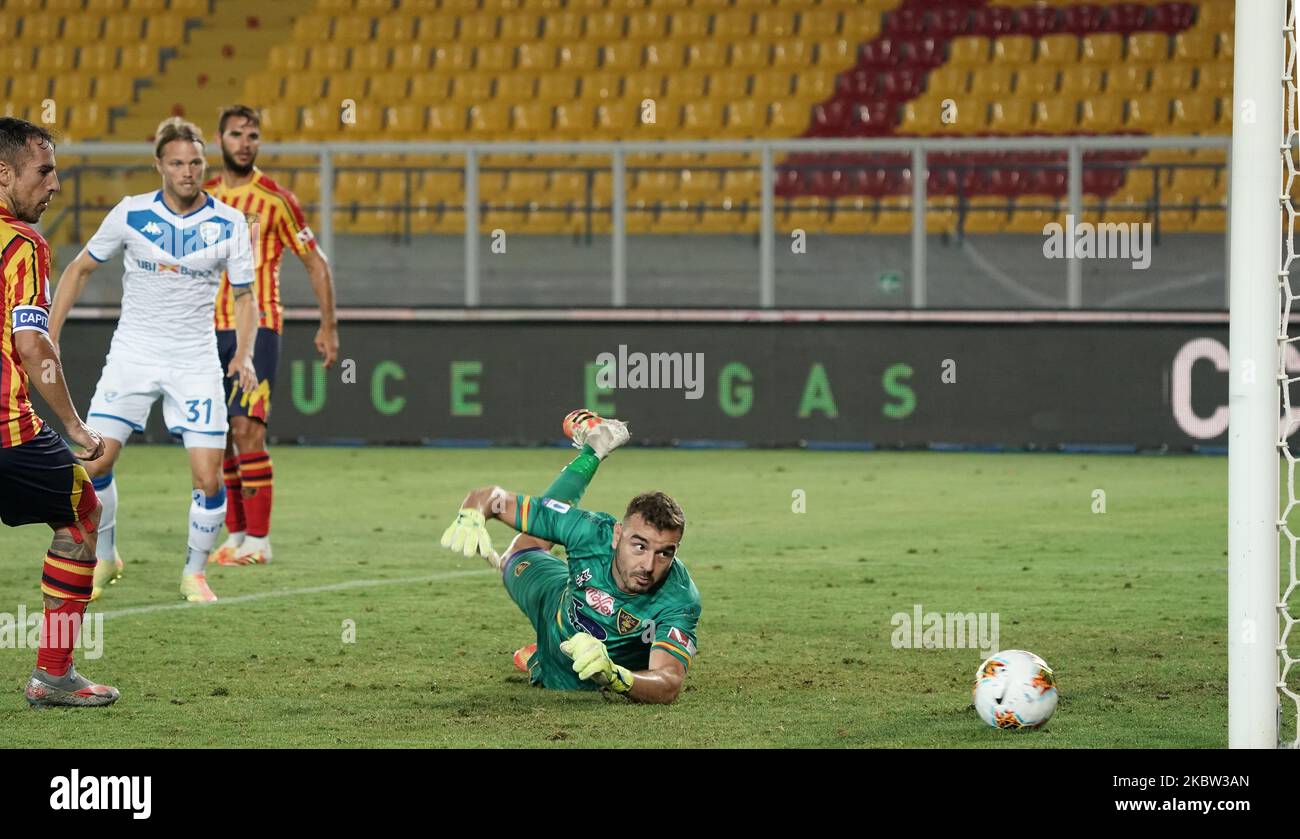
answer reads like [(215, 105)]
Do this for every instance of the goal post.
[(1257, 260)]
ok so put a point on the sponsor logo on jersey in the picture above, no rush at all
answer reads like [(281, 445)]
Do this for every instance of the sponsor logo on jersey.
[(627, 622), (31, 318), (583, 576), (557, 506), (520, 566), (678, 637), (168, 268), (582, 623), (153, 229), (600, 601)]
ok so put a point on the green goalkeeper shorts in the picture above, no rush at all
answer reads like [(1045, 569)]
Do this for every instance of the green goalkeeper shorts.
[(537, 582)]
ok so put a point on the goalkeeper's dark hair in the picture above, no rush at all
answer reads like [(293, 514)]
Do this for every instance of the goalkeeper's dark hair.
[(15, 135), (244, 111), (659, 510)]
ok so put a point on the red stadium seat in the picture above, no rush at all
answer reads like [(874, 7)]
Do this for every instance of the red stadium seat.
[(902, 83), (856, 84), (991, 21), (1082, 19), (829, 118), (1037, 20), (1172, 17), (905, 22), (1124, 18), (948, 22), (877, 54)]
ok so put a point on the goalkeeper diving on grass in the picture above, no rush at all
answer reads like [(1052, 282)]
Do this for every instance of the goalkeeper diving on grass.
[(621, 613)]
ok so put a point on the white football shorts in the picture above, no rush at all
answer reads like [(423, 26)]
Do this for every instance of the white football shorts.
[(194, 405)]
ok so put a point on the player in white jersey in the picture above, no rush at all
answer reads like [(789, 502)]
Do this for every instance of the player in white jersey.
[(175, 243)]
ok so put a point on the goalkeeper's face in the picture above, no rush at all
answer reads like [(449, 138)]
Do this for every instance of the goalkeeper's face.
[(643, 555)]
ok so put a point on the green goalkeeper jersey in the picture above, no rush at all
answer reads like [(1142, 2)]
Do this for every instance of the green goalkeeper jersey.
[(630, 625)]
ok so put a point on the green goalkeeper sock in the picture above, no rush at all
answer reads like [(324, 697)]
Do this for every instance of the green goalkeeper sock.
[(572, 481)]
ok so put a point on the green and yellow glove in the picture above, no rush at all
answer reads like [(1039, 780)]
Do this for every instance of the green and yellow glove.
[(591, 661), (468, 535)]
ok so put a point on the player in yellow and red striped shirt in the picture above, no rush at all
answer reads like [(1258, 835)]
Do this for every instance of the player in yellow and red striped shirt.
[(40, 481), (276, 222)]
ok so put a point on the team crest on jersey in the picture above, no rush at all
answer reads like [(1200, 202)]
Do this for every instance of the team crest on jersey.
[(519, 567), (627, 622), (209, 232), (600, 601)]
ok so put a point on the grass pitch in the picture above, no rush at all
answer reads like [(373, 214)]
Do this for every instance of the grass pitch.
[(795, 645)]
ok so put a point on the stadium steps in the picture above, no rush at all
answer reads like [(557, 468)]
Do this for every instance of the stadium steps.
[(209, 71)]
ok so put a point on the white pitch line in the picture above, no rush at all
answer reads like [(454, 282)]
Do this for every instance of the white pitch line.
[(293, 592)]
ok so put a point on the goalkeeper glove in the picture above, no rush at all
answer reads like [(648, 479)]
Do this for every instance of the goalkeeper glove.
[(468, 534), (591, 661)]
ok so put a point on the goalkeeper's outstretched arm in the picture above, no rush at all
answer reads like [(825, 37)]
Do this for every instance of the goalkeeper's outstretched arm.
[(468, 533)]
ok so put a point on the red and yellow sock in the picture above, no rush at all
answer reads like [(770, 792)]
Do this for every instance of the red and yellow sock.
[(71, 581), (234, 495), (256, 476)]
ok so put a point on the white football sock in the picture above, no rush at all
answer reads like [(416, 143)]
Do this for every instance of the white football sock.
[(107, 494), (207, 515)]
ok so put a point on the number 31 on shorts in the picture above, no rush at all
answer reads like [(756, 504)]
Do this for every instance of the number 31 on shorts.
[(194, 405)]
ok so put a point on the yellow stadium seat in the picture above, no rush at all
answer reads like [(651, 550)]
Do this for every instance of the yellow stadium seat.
[(1036, 82), (688, 26), (395, 29), (40, 29), (835, 54), (312, 29), (787, 118), (1058, 50), (1031, 213), (772, 84), (1149, 113), (349, 86), (520, 28), (462, 7), (987, 214), (728, 86), (165, 31), (1056, 115), (536, 58), (319, 121), (515, 87), (98, 58), (404, 120), (774, 23), (813, 85), (428, 89), (303, 88), (749, 55), (328, 58), (61, 6), (653, 185), (1194, 181), (739, 185), (646, 25), (687, 85), (1009, 116), (1081, 80), (56, 57), (732, 26), (557, 87), (1193, 113), (1194, 46), (614, 119), (445, 120), (352, 186), (701, 119), (189, 8), (601, 85), (1172, 78), (262, 88), (563, 27), (450, 59), (621, 56), (105, 6), (31, 88), (488, 121), (709, 55), (1101, 114), (1225, 45), (353, 29), (860, 24), (1215, 16), (605, 27), (1148, 47), (949, 81), (1013, 50), (437, 30), (577, 57), (742, 119), (87, 120), (1127, 79), (444, 187), (664, 56), (279, 121), (334, 6), (478, 29), (1215, 78), (1209, 220), (643, 85), (412, 58), (150, 6), (370, 58), (1176, 220), (86, 29), (470, 89), (367, 122), (493, 58), (991, 81), (1105, 48), (791, 55), (816, 24), (574, 120), (530, 121), (286, 57), (855, 214), (699, 185), (968, 51)]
